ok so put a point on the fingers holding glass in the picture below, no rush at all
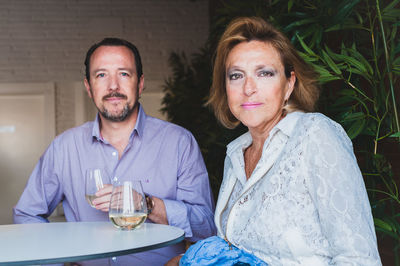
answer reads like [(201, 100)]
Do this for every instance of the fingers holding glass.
[(128, 205), (95, 179)]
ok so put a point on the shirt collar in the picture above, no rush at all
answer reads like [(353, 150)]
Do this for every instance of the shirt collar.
[(139, 126), (140, 122), (286, 126), (96, 128)]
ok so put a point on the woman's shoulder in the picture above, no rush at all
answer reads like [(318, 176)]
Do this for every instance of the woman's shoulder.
[(320, 128), (316, 119), (317, 122)]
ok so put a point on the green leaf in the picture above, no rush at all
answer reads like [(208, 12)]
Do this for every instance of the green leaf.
[(395, 135), (391, 15), (345, 8), (330, 63), (343, 100), (358, 72), (305, 47), (332, 54), (299, 23), (390, 6), (354, 63), (307, 57), (324, 75), (348, 92), (396, 61), (354, 116), (334, 27), (290, 4), (382, 224), (362, 60), (356, 128), (323, 80)]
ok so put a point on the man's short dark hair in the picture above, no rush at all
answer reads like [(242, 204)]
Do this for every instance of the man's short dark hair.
[(114, 42)]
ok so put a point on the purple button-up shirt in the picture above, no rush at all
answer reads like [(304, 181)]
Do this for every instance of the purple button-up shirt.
[(164, 156)]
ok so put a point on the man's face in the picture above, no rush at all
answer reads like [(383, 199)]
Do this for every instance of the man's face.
[(114, 85)]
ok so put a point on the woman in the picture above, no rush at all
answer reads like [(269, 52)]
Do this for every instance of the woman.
[(292, 192)]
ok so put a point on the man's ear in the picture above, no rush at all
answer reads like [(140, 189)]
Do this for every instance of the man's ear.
[(87, 86), (140, 85)]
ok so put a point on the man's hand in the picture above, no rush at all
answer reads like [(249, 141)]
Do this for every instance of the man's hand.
[(103, 197), (158, 214), (102, 202)]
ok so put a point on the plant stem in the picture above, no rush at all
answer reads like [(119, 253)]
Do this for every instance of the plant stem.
[(388, 67), (356, 89), (386, 193), (371, 30)]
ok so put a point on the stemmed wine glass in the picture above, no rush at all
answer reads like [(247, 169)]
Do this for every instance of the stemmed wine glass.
[(95, 179), (128, 208)]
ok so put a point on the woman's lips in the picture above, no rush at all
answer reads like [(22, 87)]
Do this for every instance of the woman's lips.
[(250, 105)]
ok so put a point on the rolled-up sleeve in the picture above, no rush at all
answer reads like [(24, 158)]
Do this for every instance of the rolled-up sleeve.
[(193, 209)]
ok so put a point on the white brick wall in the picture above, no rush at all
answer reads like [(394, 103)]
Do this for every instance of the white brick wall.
[(46, 40)]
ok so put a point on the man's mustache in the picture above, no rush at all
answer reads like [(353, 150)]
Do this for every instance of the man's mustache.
[(115, 95)]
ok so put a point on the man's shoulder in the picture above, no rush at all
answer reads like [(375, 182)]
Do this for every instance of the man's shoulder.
[(161, 126), (75, 132)]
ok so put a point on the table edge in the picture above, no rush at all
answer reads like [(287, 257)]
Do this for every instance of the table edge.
[(97, 255)]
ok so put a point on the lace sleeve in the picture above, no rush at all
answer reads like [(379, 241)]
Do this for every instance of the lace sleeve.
[(338, 191)]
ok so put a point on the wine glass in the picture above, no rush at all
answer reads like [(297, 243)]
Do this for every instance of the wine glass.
[(95, 179), (128, 208)]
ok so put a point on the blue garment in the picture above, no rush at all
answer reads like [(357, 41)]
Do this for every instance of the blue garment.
[(164, 156), (216, 251)]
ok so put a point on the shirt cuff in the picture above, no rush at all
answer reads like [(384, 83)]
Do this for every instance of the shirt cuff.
[(177, 215)]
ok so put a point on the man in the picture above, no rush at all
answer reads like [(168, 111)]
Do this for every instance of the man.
[(130, 145)]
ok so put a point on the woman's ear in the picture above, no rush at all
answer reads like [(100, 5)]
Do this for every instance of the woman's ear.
[(290, 85)]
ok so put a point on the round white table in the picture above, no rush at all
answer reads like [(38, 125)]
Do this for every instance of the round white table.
[(24, 244)]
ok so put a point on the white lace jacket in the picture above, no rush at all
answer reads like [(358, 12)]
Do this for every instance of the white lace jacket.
[(305, 203)]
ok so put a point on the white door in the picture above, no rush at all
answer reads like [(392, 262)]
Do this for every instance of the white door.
[(27, 126)]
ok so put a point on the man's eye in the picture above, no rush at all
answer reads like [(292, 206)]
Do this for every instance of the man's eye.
[(100, 75), (124, 74), (235, 76)]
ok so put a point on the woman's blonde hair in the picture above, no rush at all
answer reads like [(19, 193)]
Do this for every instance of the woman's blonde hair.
[(246, 29)]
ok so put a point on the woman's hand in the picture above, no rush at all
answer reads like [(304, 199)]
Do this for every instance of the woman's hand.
[(174, 261)]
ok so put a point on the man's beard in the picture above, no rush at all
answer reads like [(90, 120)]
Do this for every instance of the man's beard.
[(126, 111)]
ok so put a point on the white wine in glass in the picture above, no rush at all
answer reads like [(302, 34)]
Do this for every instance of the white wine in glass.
[(95, 179), (128, 209), (128, 221)]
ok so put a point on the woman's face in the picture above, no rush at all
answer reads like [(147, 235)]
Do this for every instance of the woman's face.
[(256, 84)]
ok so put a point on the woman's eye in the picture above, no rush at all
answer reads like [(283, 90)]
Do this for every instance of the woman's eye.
[(266, 74), (235, 76)]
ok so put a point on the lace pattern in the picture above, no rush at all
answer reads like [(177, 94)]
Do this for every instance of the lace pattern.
[(305, 203)]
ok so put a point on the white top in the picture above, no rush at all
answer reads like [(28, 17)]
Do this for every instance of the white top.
[(305, 203), (66, 242)]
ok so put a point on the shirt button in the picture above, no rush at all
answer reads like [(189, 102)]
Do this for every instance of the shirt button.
[(114, 153)]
